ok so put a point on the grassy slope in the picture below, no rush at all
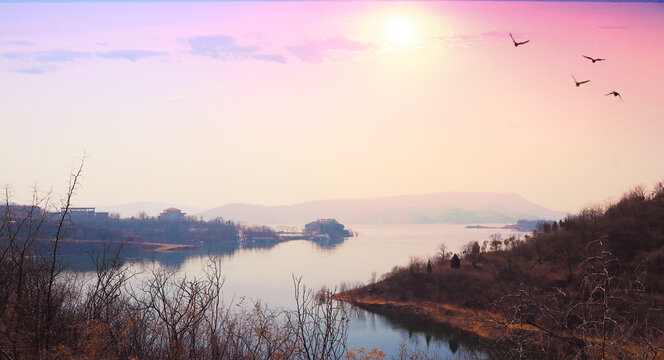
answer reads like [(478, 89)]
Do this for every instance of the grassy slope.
[(554, 259), (462, 298)]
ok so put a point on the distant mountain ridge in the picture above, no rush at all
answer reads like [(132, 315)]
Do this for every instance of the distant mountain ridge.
[(446, 207)]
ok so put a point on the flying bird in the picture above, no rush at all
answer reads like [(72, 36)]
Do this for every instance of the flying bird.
[(579, 83), (615, 93), (593, 59), (517, 43)]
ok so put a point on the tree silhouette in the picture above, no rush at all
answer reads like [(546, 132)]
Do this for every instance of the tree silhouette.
[(455, 263)]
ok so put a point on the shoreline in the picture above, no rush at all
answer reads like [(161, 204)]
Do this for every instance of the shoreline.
[(142, 246), (481, 323)]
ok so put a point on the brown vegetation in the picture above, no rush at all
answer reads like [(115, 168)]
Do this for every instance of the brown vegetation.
[(47, 313), (589, 286)]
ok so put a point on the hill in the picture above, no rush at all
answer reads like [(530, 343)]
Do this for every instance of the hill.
[(447, 207), (589, 286)]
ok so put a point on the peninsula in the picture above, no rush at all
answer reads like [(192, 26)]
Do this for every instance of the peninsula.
[(545, 294)]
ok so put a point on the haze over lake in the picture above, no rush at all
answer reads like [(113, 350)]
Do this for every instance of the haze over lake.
[(265, 275), (403, 120)]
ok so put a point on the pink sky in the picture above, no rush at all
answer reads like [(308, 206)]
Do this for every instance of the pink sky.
[(279, 103)]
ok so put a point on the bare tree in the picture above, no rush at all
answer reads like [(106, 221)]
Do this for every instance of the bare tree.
[(48, 313), (496, 242), (442, 255), (320, 324), (415, 264), (180, 306), (55, 241), (471, 250), (21, 229), (606, 318)]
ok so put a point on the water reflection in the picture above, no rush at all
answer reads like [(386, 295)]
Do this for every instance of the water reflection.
[(263, 271), (433, 338), (81, 261)]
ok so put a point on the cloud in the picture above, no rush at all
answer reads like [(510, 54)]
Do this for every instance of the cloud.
[(37, 70), (68, 55), (498, 34), (47, 56), (226, 48), (460, 39), (62, 56), (21, 43), (472, 40), (131, 55), (220, 47), (17, 56), (270, 57), (316, 51), (612, 27), (59, 56)]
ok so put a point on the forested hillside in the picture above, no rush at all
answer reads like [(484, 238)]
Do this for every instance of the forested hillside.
[(589, 286)]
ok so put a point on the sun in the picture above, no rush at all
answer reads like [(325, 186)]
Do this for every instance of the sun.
[(401, 31)]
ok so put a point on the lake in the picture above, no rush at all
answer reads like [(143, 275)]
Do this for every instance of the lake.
[(265, 274)]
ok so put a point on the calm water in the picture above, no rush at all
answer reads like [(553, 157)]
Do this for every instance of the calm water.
[(266, 274)]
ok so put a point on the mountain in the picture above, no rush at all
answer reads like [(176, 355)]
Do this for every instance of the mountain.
[(447, 207), (150, 208)]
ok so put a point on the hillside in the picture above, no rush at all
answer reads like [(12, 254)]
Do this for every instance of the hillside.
[(448, 207), (589, 286)]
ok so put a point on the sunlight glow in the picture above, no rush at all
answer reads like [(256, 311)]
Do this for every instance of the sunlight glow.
[(401, 31)]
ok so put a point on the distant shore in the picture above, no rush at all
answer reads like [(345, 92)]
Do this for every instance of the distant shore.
[(521, 226), (506, 227), (142, 246)]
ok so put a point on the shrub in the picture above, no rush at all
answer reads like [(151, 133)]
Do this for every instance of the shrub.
[(455, 263)]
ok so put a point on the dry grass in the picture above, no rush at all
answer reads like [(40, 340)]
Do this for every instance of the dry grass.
[(472, 321)]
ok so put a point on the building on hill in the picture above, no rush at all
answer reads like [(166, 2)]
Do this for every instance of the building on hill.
[(78, 214), (81, 213), (171, 214)]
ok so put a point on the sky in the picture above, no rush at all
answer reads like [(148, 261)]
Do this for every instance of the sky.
[(272, 103)]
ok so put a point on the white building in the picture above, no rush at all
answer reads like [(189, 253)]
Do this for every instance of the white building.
[(172, 214)]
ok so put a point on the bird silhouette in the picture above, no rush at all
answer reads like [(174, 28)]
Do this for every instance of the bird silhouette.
[(593, 59), (615, 93), (579, 83), (517, 43)]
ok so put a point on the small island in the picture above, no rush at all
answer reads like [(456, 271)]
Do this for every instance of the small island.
[(327, 227), (324, 232)]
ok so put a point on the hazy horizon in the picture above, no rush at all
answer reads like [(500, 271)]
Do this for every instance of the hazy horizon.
[(278, 103)]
